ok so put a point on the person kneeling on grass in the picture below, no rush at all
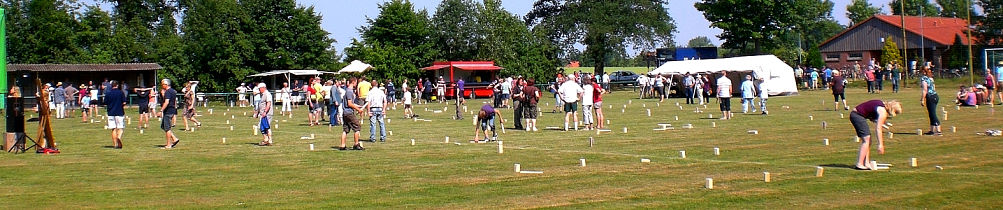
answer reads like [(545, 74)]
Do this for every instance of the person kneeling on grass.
[(485, 121), (878, 112)]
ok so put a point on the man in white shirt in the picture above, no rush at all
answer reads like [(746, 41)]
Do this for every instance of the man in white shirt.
[(587, 103), (643, 82), (242, 95), (724, 95), (570, 92), (605, 81), (375, 102)]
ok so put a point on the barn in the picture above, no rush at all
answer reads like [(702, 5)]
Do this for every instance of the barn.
[(932, 37)]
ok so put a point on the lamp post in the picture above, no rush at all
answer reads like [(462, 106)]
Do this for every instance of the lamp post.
[(971, 69)]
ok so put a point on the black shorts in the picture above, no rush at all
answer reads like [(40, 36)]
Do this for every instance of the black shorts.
[(838, 96), (570, 106), (859, 124), (144, 108), (726, 104)]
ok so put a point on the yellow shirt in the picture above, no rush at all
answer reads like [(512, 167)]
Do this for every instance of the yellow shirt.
[(364, 88), (319, 96)]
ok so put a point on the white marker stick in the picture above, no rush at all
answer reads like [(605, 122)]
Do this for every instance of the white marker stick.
[(766, 176), (819, 171), (501, 148), (682, 153), (311, 147), (912, 162), (710, 183), (717, 151), (581, 162), (517, 168), (825, 142), (412, 142)]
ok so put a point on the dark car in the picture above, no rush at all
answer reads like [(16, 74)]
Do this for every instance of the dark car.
[(623, 76)]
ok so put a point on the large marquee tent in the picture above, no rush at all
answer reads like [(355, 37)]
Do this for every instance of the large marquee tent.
[(779, 77)]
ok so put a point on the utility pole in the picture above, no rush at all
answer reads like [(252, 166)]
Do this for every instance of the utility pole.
[(971, 69), (905, 45)]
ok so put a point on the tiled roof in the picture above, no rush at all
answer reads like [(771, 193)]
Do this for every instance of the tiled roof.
[(938, 29), (84, 67)]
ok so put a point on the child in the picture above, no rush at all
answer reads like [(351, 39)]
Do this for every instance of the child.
[(408, 113)]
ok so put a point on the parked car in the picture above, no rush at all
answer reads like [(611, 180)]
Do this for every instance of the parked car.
[(623, 76)]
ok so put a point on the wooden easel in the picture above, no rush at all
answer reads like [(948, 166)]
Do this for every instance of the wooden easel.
[(45, 138)]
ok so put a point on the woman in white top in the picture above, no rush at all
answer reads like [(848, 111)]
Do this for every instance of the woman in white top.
[(285, 96)]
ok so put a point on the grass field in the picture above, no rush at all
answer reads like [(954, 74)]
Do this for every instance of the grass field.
[(204, 172)]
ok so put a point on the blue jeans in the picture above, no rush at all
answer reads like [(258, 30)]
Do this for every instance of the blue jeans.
[(747, 103), (333, 111), (376, 116)]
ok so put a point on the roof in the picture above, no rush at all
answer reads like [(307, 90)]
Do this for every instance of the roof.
[(293, 72), (464, 65), (84, 67), (942, 30)]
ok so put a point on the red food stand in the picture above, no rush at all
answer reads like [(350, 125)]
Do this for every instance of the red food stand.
[(476, 75)]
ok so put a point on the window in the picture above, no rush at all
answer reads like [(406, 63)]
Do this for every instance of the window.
[(856, 57), (832, 57)]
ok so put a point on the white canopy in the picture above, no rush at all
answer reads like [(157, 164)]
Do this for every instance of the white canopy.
[(779, 77), (355, 67), (293, 72)]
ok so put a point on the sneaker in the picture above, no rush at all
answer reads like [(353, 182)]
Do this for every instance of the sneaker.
[(939, 134), (342, 148), (383, 140), (372, 140), (534, 129), (176, 141), (358, 147), (929, 133)]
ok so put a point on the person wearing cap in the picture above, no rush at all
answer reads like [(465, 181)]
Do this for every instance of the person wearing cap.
[(876, 111), (59, 99), (265, 113)]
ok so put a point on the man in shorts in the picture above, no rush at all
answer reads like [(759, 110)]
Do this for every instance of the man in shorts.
[(265, 115), (350, 120), (144, 106), (85, 103), (168, 110), (570, 93), (115, 102), (531, 96), (724, 95)]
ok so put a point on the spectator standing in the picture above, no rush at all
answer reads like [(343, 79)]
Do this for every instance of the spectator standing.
[(71, 99), (764, 95), (376, 103), (190, 105), (930, 100), (698, 88), (748, 95), (896, 76), (724, 95), (570, 93), (531, 96), (59, 98), (285, 94), (588, 101), (242, 95), (688, 84), (518, 102)]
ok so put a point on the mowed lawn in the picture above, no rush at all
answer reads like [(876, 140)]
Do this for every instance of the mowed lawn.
[(204, 172)]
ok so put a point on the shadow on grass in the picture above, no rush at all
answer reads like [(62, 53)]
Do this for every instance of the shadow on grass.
[(906, 133), (838, 165)]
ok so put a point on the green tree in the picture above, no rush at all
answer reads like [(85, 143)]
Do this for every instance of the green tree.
[(456, 29), (914, 8), (216, 47), (604, 27), (46, 34), (990, 27), (397, 42), (814, 58), (700, 41), (761, 27), (890, 51), (859, 10), (94, 35), (957, 8), (285, 36)]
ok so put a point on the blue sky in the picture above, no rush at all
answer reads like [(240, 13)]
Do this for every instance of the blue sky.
[(342, 18)]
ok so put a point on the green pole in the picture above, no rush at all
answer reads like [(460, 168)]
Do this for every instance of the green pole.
[(3, 58)]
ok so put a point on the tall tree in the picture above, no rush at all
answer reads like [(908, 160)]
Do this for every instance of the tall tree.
[(284, 35), (914, 8), (94, 35), (604, 27), (990, 27), (860, 10), (700, 41), (763, 26), (217, 49), (957, 8), (456, 30), (46, 34), (397, 42)]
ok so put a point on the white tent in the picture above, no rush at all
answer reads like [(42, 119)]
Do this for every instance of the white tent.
[(779, 77), (355, 67)]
